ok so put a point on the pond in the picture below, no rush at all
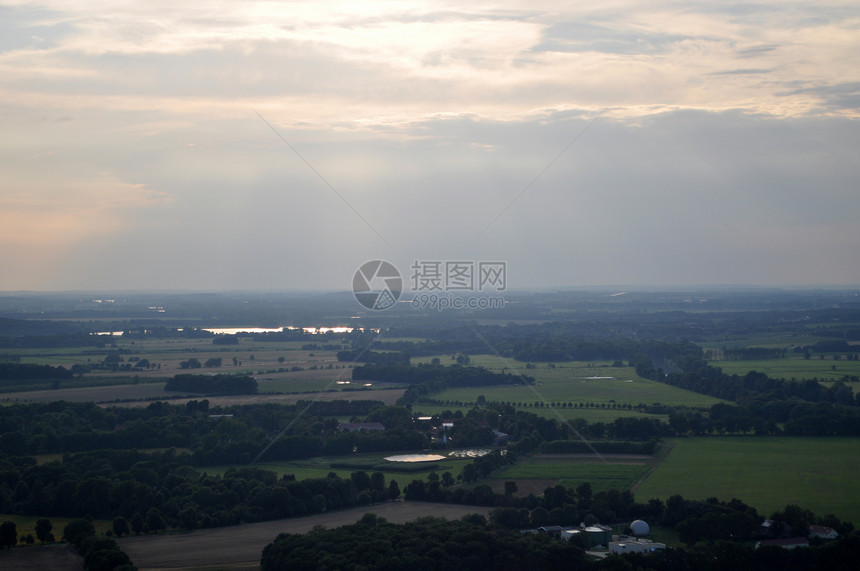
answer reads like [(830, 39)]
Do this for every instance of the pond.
[(415, 458)]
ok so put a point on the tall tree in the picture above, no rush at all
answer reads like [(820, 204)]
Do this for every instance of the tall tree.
[(393, 490), (154, 521), (121, 526), (8, 534), (43, 529)]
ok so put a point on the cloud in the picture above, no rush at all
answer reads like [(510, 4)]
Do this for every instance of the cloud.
[(843, 97), (726, 141)]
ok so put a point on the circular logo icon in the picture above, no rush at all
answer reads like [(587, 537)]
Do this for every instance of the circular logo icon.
[(377, 285)]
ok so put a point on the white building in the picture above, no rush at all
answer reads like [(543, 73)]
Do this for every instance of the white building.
[(632, 545), (822, 532)]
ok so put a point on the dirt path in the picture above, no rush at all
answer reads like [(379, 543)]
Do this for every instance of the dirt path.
[(240, 547)]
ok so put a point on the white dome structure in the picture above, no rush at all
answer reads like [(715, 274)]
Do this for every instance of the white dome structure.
[(640, 528)]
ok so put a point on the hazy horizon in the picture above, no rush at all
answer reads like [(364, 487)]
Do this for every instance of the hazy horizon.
[(615, 288), (269, 146)]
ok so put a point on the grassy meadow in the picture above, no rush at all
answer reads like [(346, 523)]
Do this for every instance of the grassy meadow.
[(603, 476), (767, 473)]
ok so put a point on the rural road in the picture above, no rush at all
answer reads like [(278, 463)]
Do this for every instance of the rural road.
[(240, 547)]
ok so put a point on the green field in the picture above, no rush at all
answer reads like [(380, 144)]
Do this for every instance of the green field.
[(572, 382), (570, 473), (793, 367), (320, 467), (767, 473)]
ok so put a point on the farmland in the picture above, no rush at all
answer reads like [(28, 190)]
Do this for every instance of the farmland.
[(237, 547), (794, 367), (618, 400), (606, 473), (818, 474), (573, 382), (284, 370)]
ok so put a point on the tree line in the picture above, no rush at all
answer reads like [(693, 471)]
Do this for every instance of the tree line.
[(30, 371), (473, 542)]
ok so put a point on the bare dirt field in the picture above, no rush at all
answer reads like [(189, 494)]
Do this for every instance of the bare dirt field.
[(240, 547), (41, 558)]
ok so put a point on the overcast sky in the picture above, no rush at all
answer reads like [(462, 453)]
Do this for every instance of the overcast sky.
[(280, 145)]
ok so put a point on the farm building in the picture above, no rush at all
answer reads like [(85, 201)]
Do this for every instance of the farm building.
[(822, 532), (554, 530), (632, 545), (785, 542), (592, 536), (598, 535)]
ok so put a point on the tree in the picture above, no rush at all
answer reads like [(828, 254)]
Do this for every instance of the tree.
[(43, 529), (154, 520), (78, 530), (377, 481), (393, 490), (470, 473), (191, 363), (137, 523), (188, 518), (8, 534), (361, 480), (121, 526)]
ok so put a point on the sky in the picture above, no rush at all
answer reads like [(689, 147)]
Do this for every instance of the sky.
[(281, 145)]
